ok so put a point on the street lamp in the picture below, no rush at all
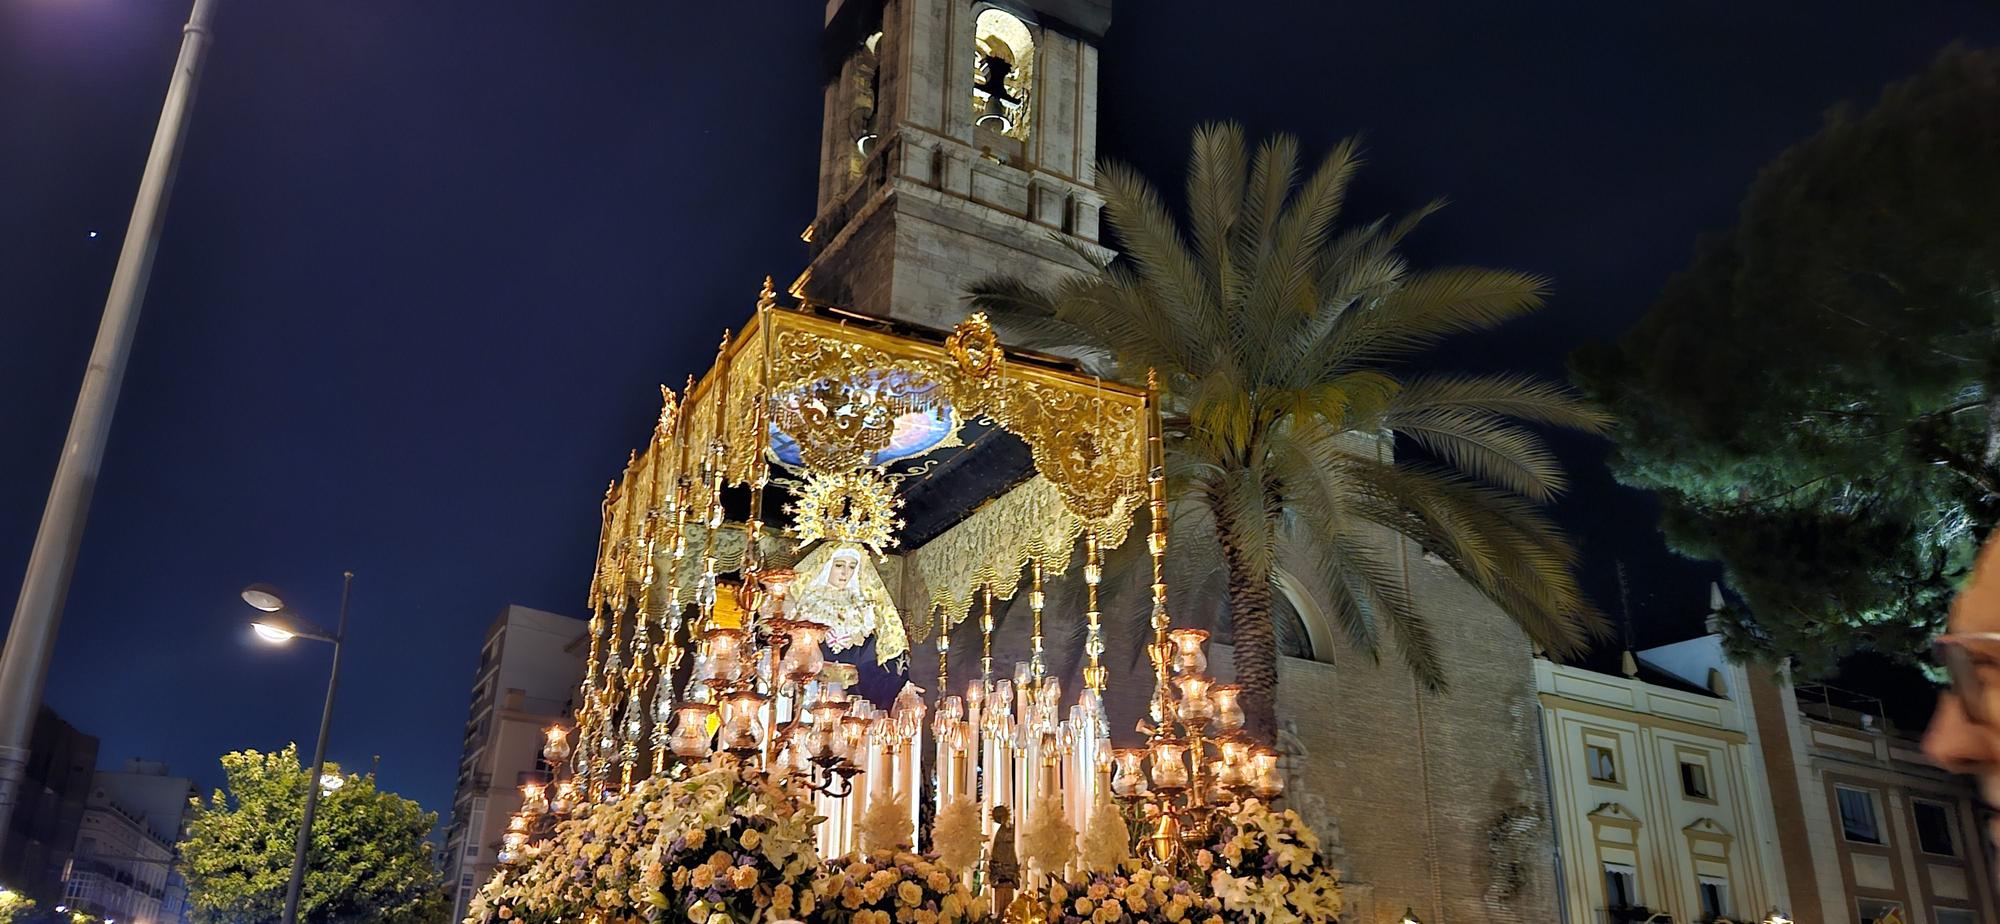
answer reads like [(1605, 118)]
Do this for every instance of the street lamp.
[(277, 623), (31, 639)]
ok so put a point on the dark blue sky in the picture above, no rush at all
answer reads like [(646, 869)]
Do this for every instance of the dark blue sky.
[(427, 262)]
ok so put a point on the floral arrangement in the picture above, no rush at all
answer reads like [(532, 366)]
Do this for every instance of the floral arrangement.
[(588, 862), (1135, 894), (737, 847), (956, 834), (893, 887), (1265, 866), (733, 846), (719, 846)]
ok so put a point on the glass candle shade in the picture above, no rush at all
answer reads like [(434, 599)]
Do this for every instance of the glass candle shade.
[(1187, 650), (1170, 771), (1227, 700), (564, 798), (1195, 709), (908, 714), (803, 658), (742, 722), (555, 743), (853, 744), (689, 738), (1265, 779), (1128, 775)]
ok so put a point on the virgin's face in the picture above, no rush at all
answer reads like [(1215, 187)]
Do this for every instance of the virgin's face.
[(841, 572)]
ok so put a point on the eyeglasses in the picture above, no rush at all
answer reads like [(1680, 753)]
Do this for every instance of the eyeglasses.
[(1961, 654)]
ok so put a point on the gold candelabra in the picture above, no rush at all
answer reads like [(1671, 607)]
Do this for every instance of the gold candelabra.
[(1197, 761)]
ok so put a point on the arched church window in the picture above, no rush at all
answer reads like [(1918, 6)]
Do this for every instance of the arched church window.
[(1003, 72)]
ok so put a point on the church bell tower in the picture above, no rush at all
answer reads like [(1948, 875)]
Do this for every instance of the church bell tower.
[(960, 141)]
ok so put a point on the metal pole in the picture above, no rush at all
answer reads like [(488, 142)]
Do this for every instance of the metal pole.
[(319, 759), (32, 638)]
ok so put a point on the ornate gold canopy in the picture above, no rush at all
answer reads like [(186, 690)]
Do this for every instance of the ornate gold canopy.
[(835, 391), (835, 416)]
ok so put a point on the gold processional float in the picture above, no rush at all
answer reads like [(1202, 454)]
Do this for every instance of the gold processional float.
[(741, 556)]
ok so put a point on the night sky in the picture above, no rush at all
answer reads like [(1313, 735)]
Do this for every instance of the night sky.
[(426, 264)]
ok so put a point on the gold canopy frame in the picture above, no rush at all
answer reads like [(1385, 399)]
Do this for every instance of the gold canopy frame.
[(835, 383)]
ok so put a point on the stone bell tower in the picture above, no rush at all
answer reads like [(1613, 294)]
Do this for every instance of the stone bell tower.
[(960, 141)]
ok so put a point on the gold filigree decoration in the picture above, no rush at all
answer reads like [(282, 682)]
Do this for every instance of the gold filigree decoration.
[(1091, 447), (975, 348), (839, 399), (989, 548), (838, 424), (857, 507), (740, 438)]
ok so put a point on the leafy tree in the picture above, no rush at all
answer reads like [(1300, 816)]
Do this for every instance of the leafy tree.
[(1813, 398), (14, 906), (369, 862), (1276, 335)]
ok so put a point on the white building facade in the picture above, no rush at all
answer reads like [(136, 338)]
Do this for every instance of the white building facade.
[(1659, 791), (530, 667), (120, 870)]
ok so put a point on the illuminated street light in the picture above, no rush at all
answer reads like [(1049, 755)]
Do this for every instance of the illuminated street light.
[(278, 624)]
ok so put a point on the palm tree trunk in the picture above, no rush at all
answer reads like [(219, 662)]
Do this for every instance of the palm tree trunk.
[(1256, 642)]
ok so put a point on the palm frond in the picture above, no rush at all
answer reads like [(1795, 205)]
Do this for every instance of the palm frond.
[(1273, 172), (1217, 170), (1433, 304), (1172, 278), (1486, 447), (1521, 397)]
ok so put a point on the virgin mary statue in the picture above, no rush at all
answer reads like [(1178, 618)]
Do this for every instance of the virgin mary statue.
[(841, 591)]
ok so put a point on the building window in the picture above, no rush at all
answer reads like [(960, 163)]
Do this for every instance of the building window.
[(1873, 910), (1621, 886), (1694, 781), (1602, 762), (1934, 828), (1957, 916), (1714, 897), (1857, 815)]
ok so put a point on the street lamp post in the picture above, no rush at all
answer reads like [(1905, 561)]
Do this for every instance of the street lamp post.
[(24, 665), (278, 625)]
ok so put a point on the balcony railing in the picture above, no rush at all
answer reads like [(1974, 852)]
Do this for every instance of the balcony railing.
[(1843, 707)]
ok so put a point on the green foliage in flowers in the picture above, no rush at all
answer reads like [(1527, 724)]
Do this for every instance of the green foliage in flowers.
[(369, 861), (1816, 400)]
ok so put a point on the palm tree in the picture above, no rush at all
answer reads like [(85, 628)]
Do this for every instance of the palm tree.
[(1277, 336)]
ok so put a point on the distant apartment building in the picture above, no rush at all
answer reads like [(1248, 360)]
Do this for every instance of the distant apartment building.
[(43, 829), (530, 667), (1658, 789), (120, 869), (165, 805), (1868, 825)]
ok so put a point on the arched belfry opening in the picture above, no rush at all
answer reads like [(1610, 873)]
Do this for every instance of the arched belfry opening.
[(1003, 73)]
